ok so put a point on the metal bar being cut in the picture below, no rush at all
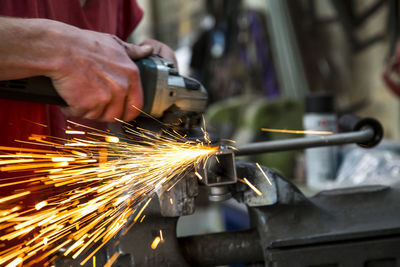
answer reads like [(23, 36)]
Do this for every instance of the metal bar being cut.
[(360, 136)]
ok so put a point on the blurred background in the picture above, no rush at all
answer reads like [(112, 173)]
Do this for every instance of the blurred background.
[(260, 60)]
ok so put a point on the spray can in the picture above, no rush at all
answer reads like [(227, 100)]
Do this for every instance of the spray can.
[(321, 163)]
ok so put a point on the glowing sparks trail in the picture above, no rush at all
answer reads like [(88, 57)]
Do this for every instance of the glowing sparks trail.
[(295, 131), (258, 192), (112, 260), (264, 174), (84, 190), (155, 243), (161, 236)]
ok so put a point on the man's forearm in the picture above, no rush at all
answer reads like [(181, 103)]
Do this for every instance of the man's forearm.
[(29, 47)]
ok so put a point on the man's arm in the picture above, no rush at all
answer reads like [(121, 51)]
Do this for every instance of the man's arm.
[(92, 71)]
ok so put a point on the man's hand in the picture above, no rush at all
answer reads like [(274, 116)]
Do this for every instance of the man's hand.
[(98, 79), (93, 72), (162, 50)]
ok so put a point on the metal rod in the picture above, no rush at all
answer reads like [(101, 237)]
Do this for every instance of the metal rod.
[(306, 142)]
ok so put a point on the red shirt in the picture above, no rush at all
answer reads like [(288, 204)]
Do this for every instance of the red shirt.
[(119, 17)]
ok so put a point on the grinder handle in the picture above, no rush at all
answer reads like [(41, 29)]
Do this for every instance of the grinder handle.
[(40, 89), (37, 89)]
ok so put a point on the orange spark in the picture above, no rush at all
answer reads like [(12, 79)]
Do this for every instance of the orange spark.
[(40, 205), (112, 260), (258, 192), (264, 174), (112, 139), (295, 131), (155, 242), (161, 236), (74, 132)]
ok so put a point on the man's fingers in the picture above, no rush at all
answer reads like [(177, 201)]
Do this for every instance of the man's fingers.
[(72, 112), (115, 108), (136, 52), (169, 54), (134, 100), (161, 49)]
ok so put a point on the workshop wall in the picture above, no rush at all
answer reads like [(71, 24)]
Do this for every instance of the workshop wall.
[(367, 69), (173, 22), (347, 58)]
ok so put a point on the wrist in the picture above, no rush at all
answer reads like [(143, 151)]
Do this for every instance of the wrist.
[(55, 48)]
